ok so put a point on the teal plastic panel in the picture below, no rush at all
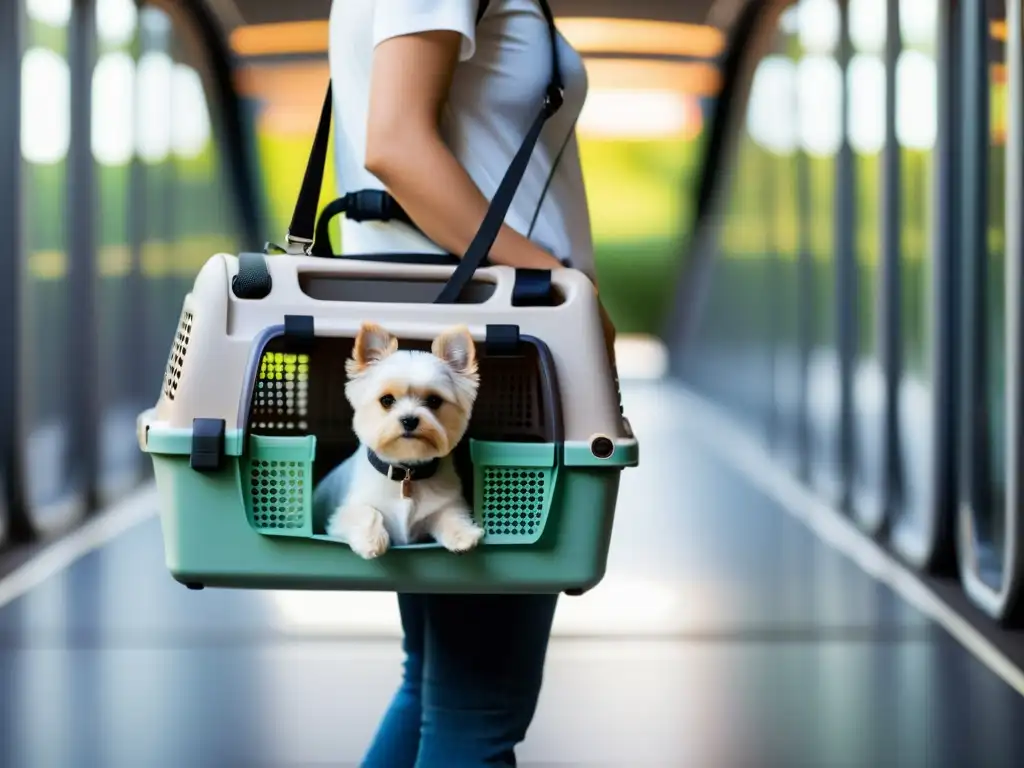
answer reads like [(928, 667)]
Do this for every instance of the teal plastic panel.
[(277, 483), (514, 487)]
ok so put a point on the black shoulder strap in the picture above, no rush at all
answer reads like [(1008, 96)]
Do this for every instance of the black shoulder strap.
[(301, 229), (495, 217)]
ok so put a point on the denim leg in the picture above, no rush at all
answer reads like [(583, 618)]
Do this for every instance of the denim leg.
[(483, 665), (397, 741)]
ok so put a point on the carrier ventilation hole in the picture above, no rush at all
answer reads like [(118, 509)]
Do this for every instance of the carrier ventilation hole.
[(281, 399), (513, 501), (511, 402), (277, 494), (177, 357)]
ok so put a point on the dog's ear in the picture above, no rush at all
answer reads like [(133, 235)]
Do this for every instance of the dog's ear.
[(373, 344), (455, 346)]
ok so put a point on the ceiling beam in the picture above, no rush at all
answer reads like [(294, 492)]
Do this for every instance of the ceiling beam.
[(266, 11)]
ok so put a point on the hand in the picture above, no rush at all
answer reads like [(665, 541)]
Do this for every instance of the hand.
[(528, 255), (546, 261)]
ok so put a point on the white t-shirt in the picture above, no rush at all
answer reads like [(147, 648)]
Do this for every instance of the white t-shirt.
[(497, 90)]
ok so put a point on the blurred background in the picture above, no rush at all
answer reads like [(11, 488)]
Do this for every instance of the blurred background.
[(159, 167), (806, 219)]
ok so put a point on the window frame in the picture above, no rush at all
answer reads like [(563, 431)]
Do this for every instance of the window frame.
[(10, 222), (50, 518), (928, 546), (1003, 603)]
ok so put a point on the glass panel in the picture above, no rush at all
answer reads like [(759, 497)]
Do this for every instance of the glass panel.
[(990, 516), (747, 355), (772, 126), (188, 213), (45, 375), (112, 143), (865, 80), (205, 221), (153, 120), (819, 103), (786, 314), (733, 360), (916, 123)]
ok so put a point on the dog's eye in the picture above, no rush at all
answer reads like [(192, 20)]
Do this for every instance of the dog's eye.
[(387, 401), (434, 402)]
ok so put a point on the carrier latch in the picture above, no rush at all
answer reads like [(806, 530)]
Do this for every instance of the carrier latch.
[(502, 340), (532, 288), (207, 445), (299, 331)]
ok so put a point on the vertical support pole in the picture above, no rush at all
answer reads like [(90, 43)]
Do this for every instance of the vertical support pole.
[(889, 326), (806, 309), (82, 237), (846, 281), (142, 389), (973, 256), (1012, 592), (946, 307), (771, 311), (11, 224)]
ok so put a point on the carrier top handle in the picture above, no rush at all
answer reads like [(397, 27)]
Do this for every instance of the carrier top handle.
[(305, 235)]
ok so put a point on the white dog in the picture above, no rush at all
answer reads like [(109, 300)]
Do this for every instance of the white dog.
[(411, 409)]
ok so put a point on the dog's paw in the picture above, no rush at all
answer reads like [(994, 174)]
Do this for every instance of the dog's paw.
[(370, 543), (363, 529), (458, 534)]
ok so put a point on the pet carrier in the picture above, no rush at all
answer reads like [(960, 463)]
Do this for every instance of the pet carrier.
[(252, 414)]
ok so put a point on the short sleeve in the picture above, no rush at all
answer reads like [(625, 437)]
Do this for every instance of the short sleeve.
[(393, 18)]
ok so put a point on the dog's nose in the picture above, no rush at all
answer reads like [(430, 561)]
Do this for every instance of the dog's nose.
[(409, 423)]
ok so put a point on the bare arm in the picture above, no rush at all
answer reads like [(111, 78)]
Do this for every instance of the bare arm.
[(409, 87)]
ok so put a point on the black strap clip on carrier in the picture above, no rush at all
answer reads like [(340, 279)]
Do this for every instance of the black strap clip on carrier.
[(378, 205)]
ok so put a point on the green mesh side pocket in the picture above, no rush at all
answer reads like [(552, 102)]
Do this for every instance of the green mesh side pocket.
[(277, 481), (514, 486)]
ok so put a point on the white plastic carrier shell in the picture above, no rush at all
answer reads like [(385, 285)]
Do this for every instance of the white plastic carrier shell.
[(217, 331)]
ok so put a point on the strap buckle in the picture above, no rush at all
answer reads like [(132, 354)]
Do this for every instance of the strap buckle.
[(297, 246), (553, 100), (368, 204)]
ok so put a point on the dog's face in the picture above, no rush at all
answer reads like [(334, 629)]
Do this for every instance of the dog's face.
[(409, 405)]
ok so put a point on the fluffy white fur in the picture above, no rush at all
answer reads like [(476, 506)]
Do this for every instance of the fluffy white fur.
[(385, 386)]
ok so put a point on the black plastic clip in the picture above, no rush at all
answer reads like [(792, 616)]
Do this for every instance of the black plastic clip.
[(369, 204), (532, 288), (207, 445), (502, 340), (299, 332), (554, 98)]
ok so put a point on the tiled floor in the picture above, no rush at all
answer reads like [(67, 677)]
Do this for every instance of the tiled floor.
[(725, 635)]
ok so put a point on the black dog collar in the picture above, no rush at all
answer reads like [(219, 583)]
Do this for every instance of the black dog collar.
[(401, 472)]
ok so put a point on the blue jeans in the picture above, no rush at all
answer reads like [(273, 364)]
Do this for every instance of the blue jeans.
[(473, 669)]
